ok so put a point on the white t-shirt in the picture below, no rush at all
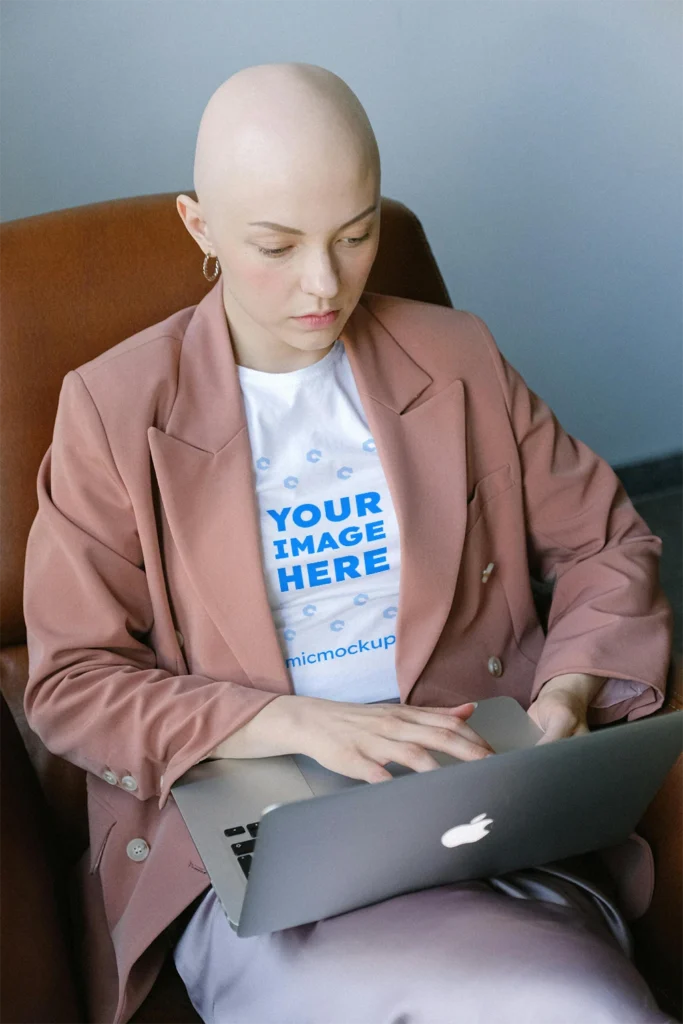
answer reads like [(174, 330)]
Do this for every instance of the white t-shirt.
[(329, 533)]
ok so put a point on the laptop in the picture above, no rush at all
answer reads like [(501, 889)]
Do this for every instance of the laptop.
[(286, 841)]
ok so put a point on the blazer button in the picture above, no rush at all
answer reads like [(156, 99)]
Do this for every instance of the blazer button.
[(109, 776), (495, 666), (180, 638), (137, 849), (129, 783), (487, 572)]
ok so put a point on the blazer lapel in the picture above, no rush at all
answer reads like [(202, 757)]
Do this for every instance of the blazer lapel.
[(419, 433), (203, 464), (206, 479)]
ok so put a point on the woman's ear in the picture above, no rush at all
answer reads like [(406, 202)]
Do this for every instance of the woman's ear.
[(191, 215)]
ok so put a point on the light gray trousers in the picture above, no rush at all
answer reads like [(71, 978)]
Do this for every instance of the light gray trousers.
[(532, 947)]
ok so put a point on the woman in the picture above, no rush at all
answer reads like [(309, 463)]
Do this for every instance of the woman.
[(231, 499)]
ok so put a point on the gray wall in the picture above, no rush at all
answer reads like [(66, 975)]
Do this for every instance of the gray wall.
[(539, 142)]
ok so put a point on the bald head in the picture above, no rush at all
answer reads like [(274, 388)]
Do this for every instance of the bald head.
[(287, 175), (280, 126)]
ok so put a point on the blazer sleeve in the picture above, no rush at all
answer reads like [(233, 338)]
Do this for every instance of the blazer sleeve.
[(94, 693), (609, 615)]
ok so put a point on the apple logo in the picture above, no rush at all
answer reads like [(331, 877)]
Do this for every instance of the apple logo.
[(470, 833)]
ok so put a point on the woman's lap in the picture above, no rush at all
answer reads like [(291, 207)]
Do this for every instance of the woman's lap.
[(466, 952)]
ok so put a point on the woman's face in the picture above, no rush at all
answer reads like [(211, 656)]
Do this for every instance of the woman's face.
[(317, 259)]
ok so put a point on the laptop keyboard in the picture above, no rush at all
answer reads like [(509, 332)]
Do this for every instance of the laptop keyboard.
[(244, 848)]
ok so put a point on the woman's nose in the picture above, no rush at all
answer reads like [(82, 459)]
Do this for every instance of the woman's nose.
[(321, 277)]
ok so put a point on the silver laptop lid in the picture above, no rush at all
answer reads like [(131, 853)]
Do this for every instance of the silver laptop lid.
[(322, 857)]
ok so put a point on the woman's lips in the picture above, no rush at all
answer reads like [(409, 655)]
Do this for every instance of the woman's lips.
[(317, 321)]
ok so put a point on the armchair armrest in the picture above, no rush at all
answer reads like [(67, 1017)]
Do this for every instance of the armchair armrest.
[(37, 973)]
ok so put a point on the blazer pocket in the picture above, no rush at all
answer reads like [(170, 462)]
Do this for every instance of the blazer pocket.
[(487, 488), (101, 821)]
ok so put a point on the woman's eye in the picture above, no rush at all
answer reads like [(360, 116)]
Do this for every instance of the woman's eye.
[(272, 252), (361, 239), (276, 253)]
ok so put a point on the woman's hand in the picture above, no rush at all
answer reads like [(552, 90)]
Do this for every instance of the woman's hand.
[(356, 740), (561, 706)]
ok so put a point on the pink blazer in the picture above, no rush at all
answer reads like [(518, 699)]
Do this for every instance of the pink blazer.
[(149, 630)]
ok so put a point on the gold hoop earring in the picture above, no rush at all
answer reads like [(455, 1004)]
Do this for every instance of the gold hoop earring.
[(217, 268)]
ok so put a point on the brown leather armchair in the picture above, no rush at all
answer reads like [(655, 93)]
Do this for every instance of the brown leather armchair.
[(74, 283)]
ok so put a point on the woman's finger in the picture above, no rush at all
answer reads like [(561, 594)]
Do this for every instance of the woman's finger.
[(412, 755), (445, 740), (459, 710), (560, 723), (435, 717), (367, 769)]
